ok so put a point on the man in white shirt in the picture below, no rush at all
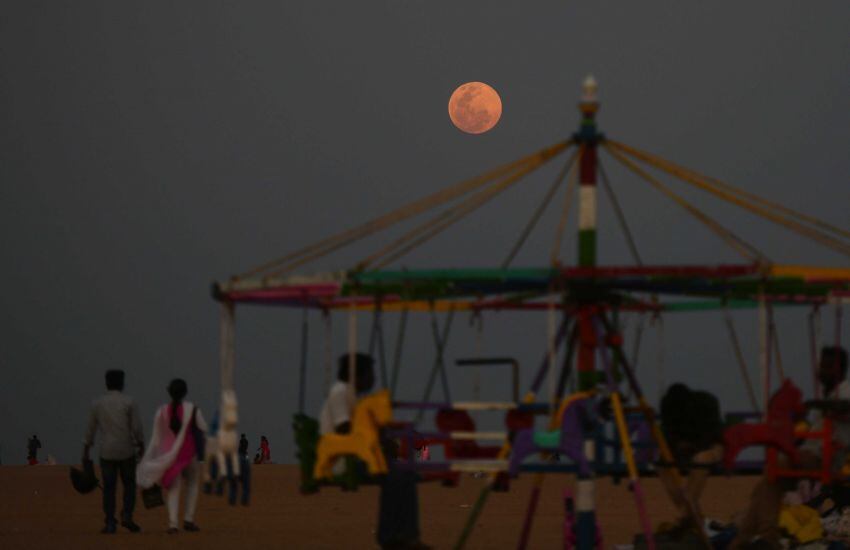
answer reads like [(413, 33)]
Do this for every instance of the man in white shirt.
[(115, 417), (338, 407)]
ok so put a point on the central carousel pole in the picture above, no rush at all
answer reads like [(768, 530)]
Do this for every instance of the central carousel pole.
[(587, 138)]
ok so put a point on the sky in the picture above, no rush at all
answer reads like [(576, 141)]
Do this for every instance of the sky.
[(150, 148)]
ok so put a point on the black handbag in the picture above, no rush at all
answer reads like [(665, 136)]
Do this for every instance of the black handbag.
[(84, 481), (152, 497)]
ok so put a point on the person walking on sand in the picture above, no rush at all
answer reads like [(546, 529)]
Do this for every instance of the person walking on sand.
[(33, 445), (115, 417), (173, 454)]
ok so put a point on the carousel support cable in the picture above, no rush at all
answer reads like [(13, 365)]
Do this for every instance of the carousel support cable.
[(682, 172), (376, 341), (478, 321), (566, 368), (774, 335), (540, 376), (444, 219), (565, 209), (227, 321), (739, 355), (302, 376), (734, 241), (399, 346), (621, 217), (550, 340), (839, 311), (813, 349), (328, 337), (352, 349), (547, 198), (439, 223), (330, 244), (764, 352), (440, 340), (817, 235)]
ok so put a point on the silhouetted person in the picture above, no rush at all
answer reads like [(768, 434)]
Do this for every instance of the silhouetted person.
[(116, 418), (693, 427), (243, 446), (33, 445), (398, 514)]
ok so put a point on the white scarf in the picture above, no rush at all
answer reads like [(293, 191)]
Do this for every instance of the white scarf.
[(155, 462)]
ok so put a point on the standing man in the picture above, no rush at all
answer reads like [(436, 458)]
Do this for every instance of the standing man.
[(33, 445), (243, 447), (116, 417)]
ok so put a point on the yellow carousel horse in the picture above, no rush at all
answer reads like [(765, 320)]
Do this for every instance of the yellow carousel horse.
[(370, 413)]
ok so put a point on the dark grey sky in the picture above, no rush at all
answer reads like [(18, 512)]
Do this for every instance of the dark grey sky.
[(148, 148)]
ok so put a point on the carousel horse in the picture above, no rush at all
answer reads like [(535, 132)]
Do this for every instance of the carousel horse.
[(784, 408), (576, 420), (370, 414), (224, 446)]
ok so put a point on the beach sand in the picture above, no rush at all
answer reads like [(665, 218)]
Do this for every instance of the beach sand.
[(40, 510)]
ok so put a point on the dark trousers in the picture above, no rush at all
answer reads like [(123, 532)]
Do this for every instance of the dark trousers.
[(110, 470), (398, 518), (244, 479)]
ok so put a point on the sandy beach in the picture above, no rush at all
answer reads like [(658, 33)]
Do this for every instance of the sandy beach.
[(40, 510)]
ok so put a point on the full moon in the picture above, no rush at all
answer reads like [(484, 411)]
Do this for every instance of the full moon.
[(475, 107)]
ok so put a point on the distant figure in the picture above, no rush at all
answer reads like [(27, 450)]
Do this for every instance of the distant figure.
[(244, 474), (178, 431), (243, 446), (116, 418), (33, 445), (264, 453)]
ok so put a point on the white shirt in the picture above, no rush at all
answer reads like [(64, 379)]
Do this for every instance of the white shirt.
[(337, 408), (840, 428)]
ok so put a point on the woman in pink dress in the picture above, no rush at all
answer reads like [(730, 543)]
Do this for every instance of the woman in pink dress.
[(264, 453), (173, 454)]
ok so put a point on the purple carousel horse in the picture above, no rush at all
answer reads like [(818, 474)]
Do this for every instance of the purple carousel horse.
[(577, 420)]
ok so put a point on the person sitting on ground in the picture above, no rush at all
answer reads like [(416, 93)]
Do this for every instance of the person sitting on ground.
[(398, 515), (264, 453), (116, 418), (760, 526), (693, 428)]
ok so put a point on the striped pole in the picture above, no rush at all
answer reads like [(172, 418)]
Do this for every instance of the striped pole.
[(585, 525), (587, 137)]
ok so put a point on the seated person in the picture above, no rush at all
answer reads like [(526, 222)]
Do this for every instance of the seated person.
[(693, 428), (398, 516), (760, 524)]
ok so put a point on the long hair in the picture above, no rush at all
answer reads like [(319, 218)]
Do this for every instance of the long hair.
[(177, 389)]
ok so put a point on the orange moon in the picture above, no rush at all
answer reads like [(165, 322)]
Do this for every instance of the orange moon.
[(475, 107)]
